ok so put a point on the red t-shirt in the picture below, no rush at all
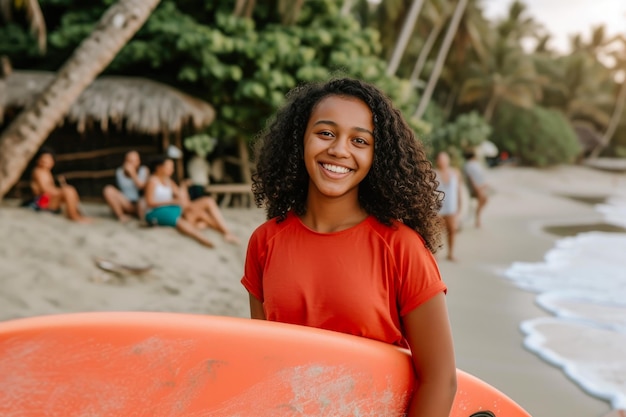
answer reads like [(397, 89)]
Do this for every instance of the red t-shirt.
[(359, 281)]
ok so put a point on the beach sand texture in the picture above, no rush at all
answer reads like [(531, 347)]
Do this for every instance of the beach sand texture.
[(47, 266)]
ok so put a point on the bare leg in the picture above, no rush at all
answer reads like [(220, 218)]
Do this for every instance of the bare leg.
[(118, 203), (72, 201), (212, 216), (188, 229), (450, 223), (481, 197)]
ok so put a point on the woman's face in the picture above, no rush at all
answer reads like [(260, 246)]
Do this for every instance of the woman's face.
[(166, 168), (338, 146), (443, 160), (46, 160), (132, 158)]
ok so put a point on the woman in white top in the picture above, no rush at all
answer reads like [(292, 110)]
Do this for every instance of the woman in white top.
[(165, 201), (449, 179)]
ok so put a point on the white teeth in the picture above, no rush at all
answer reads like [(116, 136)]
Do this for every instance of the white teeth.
[(335, 168)]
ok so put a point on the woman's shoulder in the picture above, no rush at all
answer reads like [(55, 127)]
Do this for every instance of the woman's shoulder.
[(396, 232), (273, 226)]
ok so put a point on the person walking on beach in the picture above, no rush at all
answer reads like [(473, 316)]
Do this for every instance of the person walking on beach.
[(449, 179), (477, 182), (49, 196), (165, 201), (131, 179), (352, 225)]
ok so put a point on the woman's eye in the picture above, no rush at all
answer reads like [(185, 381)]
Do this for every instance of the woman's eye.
[(360, 141), (326, 133)]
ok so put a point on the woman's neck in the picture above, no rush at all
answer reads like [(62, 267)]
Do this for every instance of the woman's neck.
[(332, 215)]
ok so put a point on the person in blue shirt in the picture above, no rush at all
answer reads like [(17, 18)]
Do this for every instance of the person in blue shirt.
[(131, 179)]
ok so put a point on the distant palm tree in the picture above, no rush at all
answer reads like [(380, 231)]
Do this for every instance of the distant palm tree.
[(21, 139), (618, 111), (508, 74), (441, 58), (510, 77), (405, 35), (437, 13)]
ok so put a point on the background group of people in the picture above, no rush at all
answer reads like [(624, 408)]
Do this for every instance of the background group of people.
[(149, 194), (451, 181)]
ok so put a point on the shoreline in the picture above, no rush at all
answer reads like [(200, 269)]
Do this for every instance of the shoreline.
[(487, 309)]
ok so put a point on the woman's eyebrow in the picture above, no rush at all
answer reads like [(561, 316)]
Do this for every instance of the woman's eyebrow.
[(330, 122)]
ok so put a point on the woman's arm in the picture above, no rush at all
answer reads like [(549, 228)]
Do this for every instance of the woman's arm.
[(256, 308), (427, 329), (459, 182)]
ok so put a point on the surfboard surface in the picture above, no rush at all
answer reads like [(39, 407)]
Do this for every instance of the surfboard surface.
[(167, 364)]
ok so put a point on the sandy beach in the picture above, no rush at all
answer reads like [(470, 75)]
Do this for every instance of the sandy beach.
[(47, 266)]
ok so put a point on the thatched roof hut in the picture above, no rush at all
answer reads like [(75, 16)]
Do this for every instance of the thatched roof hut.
[(138, 105), (113, 115)]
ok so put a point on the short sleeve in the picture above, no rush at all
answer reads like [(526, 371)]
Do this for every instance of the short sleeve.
[(143, 174), (253, 268), (419, 276)]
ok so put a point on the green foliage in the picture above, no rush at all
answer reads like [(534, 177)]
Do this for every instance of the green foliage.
[(14, 40), (200, 144), (243, 67), (536, 136), (467, 131)]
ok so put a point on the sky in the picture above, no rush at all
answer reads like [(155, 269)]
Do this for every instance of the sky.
[(563, 18)]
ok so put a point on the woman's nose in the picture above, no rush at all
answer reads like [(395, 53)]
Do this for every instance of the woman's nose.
[(339, 148)]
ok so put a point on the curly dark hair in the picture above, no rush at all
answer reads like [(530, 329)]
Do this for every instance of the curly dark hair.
[(400, 185)]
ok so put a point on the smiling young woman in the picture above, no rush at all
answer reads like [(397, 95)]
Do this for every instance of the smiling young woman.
[(352, 207)]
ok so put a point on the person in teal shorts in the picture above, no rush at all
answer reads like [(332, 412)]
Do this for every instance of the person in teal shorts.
[(165, 201)]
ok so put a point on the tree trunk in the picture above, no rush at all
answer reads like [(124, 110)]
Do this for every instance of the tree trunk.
[(405, 35), (244, 8), (425, 51), (491, 106), (441, 58), (346, 7), (613, 123), (21, 139)]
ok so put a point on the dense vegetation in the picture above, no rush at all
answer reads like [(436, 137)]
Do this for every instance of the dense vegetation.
[(500, 79)]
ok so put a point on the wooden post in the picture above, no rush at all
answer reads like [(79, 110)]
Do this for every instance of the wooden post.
[(180, 169)]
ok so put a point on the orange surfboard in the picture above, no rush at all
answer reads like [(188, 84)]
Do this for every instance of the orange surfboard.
[(168, 364)]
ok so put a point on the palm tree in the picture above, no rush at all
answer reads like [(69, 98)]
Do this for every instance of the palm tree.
[(438, 13), (618, 111), (403, 39), (508, 74), (33, 15), (441, 57), (510, 77), (244, 8), (21, 139)]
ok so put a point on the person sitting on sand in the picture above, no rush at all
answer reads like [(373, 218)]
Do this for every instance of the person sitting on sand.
[(131, 179), (449, 179), (165, 200), (47, 196)]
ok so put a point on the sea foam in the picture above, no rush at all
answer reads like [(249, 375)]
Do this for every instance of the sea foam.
[(582, 282)]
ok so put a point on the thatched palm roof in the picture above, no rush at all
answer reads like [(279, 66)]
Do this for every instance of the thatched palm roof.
[(137, 104)]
